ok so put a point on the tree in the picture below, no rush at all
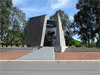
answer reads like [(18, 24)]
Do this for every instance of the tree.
[(87, 20), (17, 25), (72, 42), (5, 7), (64, 18), (96, 12), (66, 24), (12, 23)]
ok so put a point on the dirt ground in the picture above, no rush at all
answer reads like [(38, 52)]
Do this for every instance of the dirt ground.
[(77, 56), (13, 55)]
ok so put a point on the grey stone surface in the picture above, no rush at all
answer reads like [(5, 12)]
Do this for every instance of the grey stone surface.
[(45, 53), (35, 31), (60, 40), (70, 68)]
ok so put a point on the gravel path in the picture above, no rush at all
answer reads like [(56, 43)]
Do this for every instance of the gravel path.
[(77, 56), (13, 55)]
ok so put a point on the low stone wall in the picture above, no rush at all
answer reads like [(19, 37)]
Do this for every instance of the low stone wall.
[(82, 50)]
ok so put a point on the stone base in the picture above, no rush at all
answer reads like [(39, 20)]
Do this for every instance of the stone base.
[(60, 48)]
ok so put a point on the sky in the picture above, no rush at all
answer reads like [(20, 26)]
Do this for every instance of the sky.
[(39, 7)]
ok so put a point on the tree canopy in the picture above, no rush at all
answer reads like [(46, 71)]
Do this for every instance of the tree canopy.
[(66, 24), (12, 23), (87, 20), (5, 7)]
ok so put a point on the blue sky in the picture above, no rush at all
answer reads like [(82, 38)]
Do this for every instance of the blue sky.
[(39, 7)]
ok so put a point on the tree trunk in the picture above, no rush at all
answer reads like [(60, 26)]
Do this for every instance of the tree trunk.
[(99, 38), (11, 44), (7, 40), (2, 44), (12, 41), (88, 43), (22, 44)]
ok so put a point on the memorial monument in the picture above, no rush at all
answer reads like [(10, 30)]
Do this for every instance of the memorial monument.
[(60, 40), (35, 31), (41, 32)]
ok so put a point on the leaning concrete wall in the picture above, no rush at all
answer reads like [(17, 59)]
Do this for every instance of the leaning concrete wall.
[(35, 31), (60, 40)]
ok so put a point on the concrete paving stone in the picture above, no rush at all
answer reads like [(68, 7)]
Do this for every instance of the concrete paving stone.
[(45, 53)]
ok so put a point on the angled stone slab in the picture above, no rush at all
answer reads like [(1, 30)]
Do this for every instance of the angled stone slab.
[(35, 31), (45, 53), (60, 40)]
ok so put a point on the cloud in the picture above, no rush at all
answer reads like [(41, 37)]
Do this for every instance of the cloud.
[(39, 7), (28, 9), (59, 4), (17, 2)]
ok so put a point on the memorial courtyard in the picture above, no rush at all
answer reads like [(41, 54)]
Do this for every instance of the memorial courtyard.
[(49, 37), (71, 55), (41, 45)]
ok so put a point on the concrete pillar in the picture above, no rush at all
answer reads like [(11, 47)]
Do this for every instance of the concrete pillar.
[(44, 30), (60, 40)]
